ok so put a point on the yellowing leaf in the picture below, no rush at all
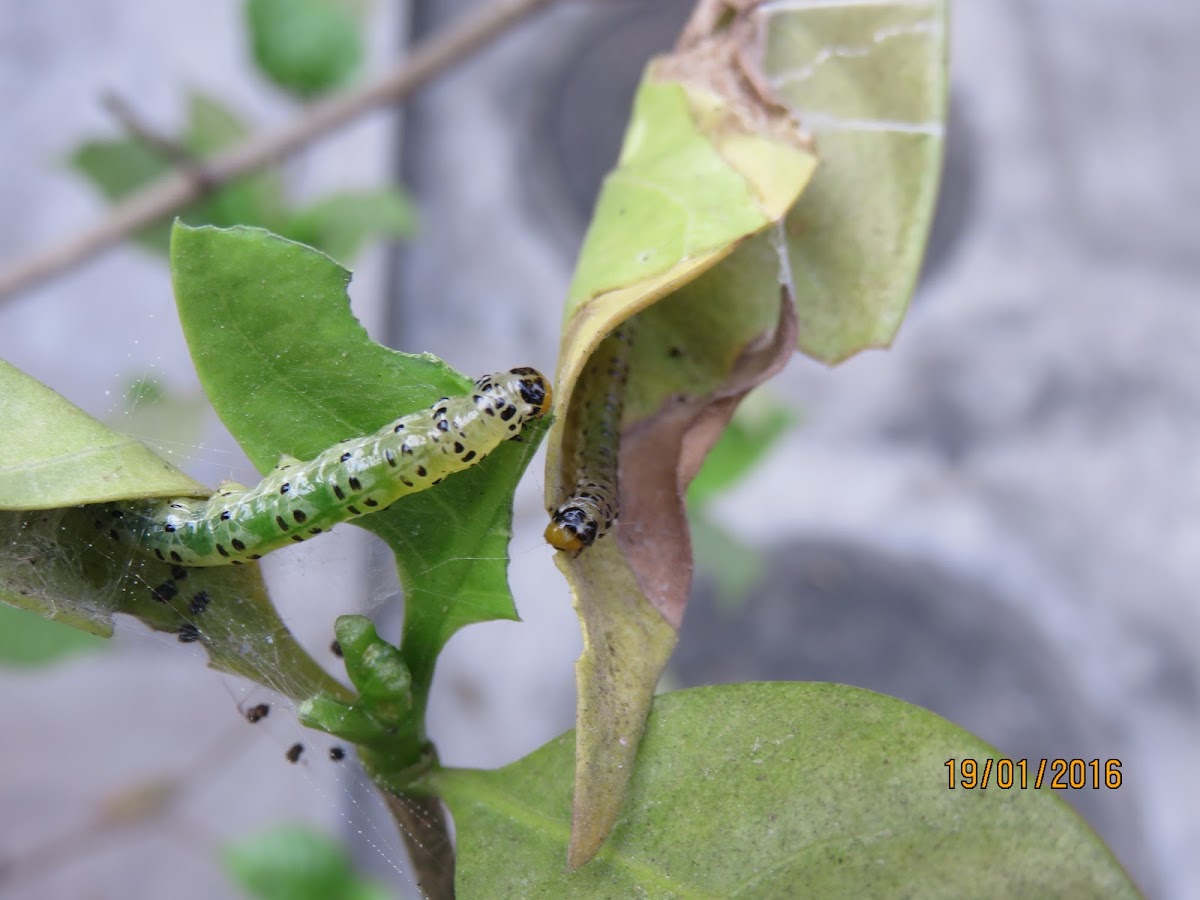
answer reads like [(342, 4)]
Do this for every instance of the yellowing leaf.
[(678, 250), (691, 256), (869, 82)]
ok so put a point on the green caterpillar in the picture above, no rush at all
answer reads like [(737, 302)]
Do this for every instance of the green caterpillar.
[(587, 513), (353, 478)]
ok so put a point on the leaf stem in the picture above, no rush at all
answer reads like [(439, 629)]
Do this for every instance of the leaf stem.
[(424, 827)]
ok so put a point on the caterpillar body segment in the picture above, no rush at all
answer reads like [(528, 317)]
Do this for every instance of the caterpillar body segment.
[(588, 511), (298, 500)]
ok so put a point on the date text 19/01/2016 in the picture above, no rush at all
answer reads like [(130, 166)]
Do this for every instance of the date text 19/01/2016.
[(1056, 774)]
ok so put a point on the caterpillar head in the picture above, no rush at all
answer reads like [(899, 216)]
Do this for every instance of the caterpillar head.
[(529, 384), (571, 529)]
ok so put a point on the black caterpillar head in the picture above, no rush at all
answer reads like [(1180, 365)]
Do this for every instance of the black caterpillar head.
[(534, 389), (572, 529)]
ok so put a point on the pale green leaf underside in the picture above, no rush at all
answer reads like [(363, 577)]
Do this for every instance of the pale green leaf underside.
[(671, 197), (53, 454), (55, 562), (63, 565), (779, 790)]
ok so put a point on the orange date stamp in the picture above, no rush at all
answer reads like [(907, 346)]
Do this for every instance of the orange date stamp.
[(1022, 774)]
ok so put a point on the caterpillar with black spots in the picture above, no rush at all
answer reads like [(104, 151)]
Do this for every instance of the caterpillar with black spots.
[(299, 500), (586, 514)]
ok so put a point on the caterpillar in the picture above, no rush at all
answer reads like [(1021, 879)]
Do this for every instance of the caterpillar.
[(587, 513), (353, 478)]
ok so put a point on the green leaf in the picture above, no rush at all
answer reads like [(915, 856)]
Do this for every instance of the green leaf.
[(27, 639), (779, 790), (60, 563), (210, 125), (290, 370), (255, 199), (120, 167), (53, 454), (657, 209), (870, 81), (304, 46), (732, 567), (293, 862), (340, 224)]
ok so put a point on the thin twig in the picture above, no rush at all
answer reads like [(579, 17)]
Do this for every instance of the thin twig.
[(171, 150), (178, 189)]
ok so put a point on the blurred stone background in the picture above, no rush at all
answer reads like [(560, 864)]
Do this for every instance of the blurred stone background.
[(999, 519)]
